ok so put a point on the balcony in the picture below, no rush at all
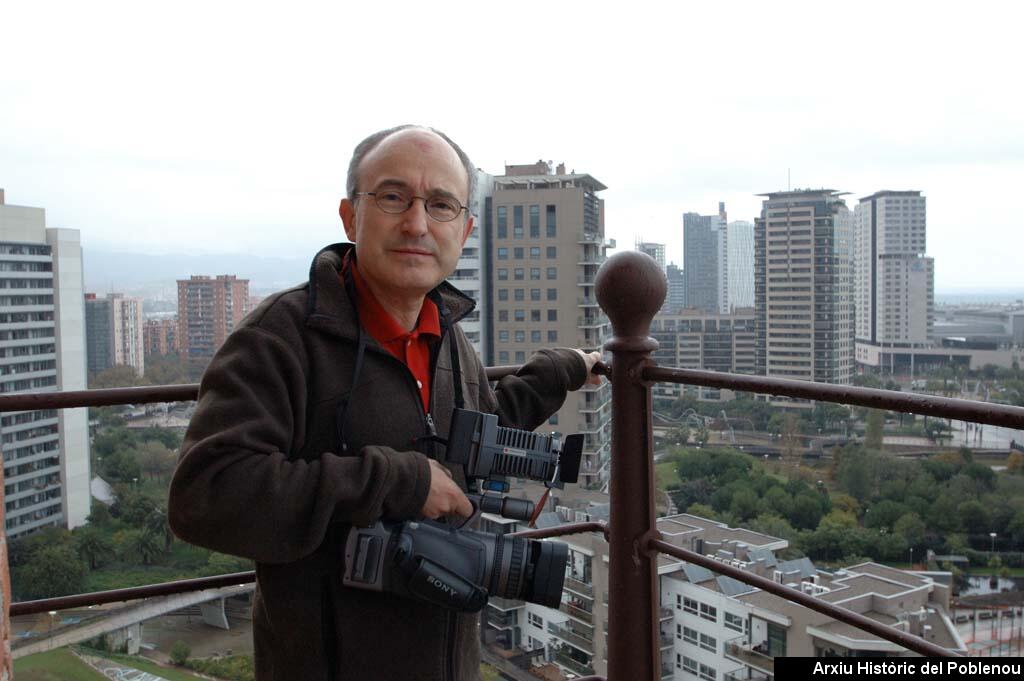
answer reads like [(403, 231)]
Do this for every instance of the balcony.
[(573, 635), (745, 674), (751, 656), (632, 654), (573, 665), (579, 587)]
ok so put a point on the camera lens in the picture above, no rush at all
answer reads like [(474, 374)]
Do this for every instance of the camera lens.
[(528, 569), (545, 585)]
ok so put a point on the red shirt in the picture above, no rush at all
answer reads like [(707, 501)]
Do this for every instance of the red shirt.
[(411, 347)]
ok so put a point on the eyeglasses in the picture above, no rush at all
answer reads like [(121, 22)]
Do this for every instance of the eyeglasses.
[(395, 201)]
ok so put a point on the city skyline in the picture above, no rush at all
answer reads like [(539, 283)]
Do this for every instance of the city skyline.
[(229, 146)]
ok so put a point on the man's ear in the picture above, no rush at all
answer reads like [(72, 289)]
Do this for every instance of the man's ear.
[(347, 211), (468, 229)]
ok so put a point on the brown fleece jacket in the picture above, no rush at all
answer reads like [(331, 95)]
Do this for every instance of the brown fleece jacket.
[(262, 475)]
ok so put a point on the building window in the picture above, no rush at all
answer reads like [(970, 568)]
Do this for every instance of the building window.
[(520, 336), (502, 294), (690, 605), (535, 336), (517, 222), (520, 357), (679, 632), (553, 420), (707, 673), (517, 252), (534, 252), (520, 294), (502, 274), (552, 315), (734, 622), (519, 273), (535, 294), (520, 315), (534, 222), (502, 254), (708, 643), (535, 273), (708, 612), (552, 273), (502, 315), (535, 619), (503, 336), (690, 665), (551, 220), (552, 294), (503, 356), (552, 336), (690, 635), (502, 222), (534, 315), (552, 252)]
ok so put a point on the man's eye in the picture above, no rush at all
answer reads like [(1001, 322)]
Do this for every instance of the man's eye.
[(442, 204), (396, 197)]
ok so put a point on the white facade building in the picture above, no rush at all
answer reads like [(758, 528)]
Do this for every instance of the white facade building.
[(470, 275), (42, 348), (741, 264), (895, 281)]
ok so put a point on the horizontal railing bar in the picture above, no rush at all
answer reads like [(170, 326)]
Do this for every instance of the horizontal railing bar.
[(131, 593), (909, 641), (931, 405), (562, 530), (70, 399)]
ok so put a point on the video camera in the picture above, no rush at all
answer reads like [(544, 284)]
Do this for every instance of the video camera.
[(459, 569)]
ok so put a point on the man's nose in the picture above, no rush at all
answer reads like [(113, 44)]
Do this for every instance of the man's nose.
[(415, 218)]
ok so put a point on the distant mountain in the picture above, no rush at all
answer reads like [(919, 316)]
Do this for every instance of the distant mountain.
[(154, 276)]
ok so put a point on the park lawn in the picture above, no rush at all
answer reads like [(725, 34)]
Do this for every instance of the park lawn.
[(144, 665), (121, 576), (665, 474), (54, 665)]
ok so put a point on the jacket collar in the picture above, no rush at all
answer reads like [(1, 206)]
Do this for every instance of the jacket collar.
[(330, 309)]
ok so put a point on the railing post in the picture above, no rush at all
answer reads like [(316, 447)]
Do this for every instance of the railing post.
[(630, 289)]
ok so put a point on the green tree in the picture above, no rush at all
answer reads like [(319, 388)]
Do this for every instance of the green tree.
[(873, 429), (93, 545), (807, 511), (157, 525), (121, 465), (911, 528), (119, 376), (974, 517), (52, 571), (144, 545), (884, 514), (180, 653), (133, 508), (155, 459), (744, 504)]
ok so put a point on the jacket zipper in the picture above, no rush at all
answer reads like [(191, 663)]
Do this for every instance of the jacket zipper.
[(451, 646)]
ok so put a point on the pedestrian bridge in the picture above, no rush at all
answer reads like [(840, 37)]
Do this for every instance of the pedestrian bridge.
[(126, 622)]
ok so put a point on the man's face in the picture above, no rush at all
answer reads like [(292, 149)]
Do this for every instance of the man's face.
[(404, 256)]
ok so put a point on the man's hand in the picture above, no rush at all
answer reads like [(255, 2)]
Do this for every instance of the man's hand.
[(445, 497), (590, 359)]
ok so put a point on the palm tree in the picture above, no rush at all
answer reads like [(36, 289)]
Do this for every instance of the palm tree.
[(92, 546), (156, 524)]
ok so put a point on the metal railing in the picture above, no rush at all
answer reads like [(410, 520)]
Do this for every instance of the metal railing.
[(630, 288)]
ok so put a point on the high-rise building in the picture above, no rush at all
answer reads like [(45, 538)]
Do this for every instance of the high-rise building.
[(113, 333), (803, 286), (741, 264), (694, 339), (546, 244), (675, 298), (656, 251), (42, 348), (895, 281), (209, 309), (706, 261), (469, 275), (160, 336)]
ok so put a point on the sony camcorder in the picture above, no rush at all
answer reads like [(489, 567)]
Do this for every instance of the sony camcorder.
[(459, 569)]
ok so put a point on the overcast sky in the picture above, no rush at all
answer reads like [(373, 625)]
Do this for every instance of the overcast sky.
[(223, 127)]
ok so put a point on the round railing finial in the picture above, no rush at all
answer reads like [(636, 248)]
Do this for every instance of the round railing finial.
[(630, 289)]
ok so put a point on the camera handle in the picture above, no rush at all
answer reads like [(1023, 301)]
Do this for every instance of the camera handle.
[(435, 583)]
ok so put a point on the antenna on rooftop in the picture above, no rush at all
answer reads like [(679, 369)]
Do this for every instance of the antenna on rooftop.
[(789, 185)]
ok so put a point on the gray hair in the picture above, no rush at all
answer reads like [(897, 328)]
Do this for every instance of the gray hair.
[(371, 142)]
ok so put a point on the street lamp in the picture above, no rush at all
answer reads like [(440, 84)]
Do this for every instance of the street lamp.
[(992, 547), (52, 614), (911, 557)]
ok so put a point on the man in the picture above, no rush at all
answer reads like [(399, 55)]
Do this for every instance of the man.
[(317, 413)]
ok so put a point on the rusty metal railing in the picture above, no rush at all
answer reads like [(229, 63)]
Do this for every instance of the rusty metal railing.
[(630, 288)]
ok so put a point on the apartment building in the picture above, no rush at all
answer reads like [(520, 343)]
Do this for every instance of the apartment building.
[(160, 336), (470, 275), (675, 298), (695, 339), (803, 287), (546, 243), (740, 264), (894, 280), (716, 628), (42, 348), (656, 251), (209, 308), (706, 261), (113, 332)]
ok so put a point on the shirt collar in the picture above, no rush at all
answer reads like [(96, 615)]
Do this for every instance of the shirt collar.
[(379, 323)]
